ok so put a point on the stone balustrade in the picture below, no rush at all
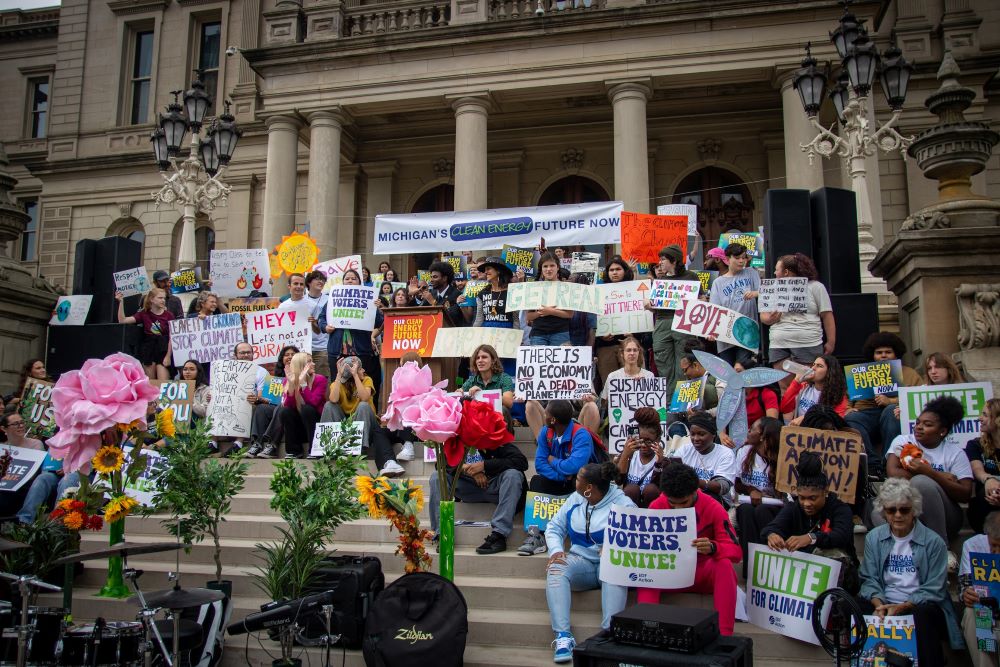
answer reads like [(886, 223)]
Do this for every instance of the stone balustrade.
[(504, 10), (376, 19)]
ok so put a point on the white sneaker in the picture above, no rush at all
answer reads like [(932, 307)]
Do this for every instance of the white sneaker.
[(391, 469), (406, 453)]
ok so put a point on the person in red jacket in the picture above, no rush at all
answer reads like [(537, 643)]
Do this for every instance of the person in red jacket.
[(822, 384), (717, 545)]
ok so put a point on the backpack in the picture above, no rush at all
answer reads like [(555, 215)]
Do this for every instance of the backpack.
[(419, 619), (599, 454)]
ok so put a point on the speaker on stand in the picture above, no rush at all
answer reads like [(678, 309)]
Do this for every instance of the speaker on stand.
[(93, 273), (835, 235), (787, 229)]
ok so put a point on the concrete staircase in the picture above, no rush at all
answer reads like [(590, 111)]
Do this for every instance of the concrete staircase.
[(508, 615)]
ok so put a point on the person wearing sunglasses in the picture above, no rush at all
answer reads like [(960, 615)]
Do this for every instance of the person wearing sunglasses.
[(905, 571)]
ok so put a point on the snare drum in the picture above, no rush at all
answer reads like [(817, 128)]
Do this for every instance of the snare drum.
[(120, 644), (46, 627)]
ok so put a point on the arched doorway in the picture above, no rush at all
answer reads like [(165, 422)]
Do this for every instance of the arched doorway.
[(129, 228), (438, 199), (723, 200), (575, 190)]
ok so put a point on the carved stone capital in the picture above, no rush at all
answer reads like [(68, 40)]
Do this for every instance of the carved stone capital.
[(978, 315), (443, 167), (926, 221), (572, 158)]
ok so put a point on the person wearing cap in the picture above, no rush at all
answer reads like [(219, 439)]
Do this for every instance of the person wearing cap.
[(716, 260), (714, 463), (161, 279), (668, 345), (736, 290)]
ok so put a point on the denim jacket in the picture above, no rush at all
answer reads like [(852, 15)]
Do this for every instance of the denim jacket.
[(930, 555)]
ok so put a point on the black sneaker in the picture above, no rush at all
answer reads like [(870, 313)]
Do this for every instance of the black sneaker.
[(255, 449), (269, 452), (494, 544), (232, 452)]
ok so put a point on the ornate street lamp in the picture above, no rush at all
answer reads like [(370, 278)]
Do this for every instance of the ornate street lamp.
[(196, 103), (174, 125), (845, 34), (226, 134), (840, 95), (810, 83), (160, 150), (895, 77), (860, 63)]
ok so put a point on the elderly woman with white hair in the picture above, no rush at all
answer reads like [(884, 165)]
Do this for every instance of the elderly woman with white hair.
[(905, 571)]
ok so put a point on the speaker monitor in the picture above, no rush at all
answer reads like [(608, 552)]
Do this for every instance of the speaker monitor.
[(83, 266), (96, 262), (723, 652), (69, 347), (856, 316), (835, 236), (786, 225)]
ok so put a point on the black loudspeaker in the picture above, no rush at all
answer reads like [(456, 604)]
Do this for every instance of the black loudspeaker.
[(856, 316), (83, 266), (96, 262), (786, 225), (835, 238), (69, 347), (723, 652)]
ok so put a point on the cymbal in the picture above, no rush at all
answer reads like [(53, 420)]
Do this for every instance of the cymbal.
[(11, 545), (180, 598), (120, 549)]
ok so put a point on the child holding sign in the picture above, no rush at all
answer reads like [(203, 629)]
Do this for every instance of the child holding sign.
[(154, 350)]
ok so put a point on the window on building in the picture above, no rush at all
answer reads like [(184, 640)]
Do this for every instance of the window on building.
[(141, 76), (38, 99), (29, 237), (209, 44), (204, 244)]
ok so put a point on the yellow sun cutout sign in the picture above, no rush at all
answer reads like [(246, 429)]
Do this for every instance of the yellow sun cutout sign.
[(297, 253)]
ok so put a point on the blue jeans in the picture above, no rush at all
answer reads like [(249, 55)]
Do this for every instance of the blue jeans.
[(552, 339), (41, 489), (506, 490), (874, 423), (579, 574)]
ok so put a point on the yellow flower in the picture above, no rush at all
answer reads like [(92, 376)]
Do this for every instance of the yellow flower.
[(165, 423), (119, 508), (73, 520), (417, 494), (108, 459), (368, 494)]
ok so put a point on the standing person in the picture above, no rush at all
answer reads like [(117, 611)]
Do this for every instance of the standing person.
[(984, 457), (161, 279), (822, 384), (314, 296), (366, 277), (714, 464), (401, 299), (800, 336), (549, 325), (583, 519), (668, 345), (385, 294), (641, 460), (384, 266), (940, 369), (206, 304), (305, 392), (756, 465), (491, 303), (195, 372), (358, 343), (441, 291), (716, 260), (607, 348), (390, 276), (154, 350), (736, 290), (630, 352)]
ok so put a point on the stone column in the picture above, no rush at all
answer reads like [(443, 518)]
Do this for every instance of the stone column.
[(348, 209), (628, 100), (322, 210), (798, 130), (279, 186), (381, 176), (471, 113)]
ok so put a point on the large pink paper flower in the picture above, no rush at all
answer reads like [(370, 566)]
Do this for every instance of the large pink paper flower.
[(103, 393), (409, 383), (433, 416)]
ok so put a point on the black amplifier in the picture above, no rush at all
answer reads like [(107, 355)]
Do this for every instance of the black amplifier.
[(666, 627)]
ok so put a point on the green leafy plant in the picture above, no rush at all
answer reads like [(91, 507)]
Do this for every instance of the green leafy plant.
[(47, 539)]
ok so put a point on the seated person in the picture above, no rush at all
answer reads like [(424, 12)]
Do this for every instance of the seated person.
[(905, 572), (877, 419), (488, 476), (193, 371), (822, 384), (265, 427), (13, 428), (487, 373), (714, 464), (583, 519), (756, 463), (301, 405), (563, 447), (825, 418), (988, 543), (692, 370), (641, 459), (941, 473), (716, 543), (984, 457)]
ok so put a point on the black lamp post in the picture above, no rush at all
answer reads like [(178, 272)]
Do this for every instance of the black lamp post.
[(226, 134), (810, 83), (196, 103), (895, 77)]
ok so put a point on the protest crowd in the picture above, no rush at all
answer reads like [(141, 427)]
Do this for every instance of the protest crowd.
[(634, 406)]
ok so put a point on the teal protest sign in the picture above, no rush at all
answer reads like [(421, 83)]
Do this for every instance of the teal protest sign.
[(649, 548), (688, 394), (873, 378), (539, 508)]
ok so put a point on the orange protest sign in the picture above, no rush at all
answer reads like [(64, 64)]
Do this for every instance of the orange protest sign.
[(644, 234), (410, 333)]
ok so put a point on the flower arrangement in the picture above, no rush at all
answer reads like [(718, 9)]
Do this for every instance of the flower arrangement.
[(75, 515), (399, 502)]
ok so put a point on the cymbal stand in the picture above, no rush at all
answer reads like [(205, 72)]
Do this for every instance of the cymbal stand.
[(147, 617), (23, 628), (329, 640)]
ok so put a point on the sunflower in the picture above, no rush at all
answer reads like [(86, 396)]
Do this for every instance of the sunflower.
[(417, 495), (368, 492), (165, 423), (119, 508), (107, 460), (73, 520)]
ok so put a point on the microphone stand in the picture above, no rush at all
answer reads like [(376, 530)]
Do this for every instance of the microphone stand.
[(146, 617)]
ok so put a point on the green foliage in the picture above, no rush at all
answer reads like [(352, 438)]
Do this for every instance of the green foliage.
[(48, 540)]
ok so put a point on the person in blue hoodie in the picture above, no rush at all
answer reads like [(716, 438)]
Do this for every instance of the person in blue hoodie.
[(583, 519), (564, 446)]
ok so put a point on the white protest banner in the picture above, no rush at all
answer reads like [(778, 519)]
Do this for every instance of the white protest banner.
[(205, 339), (545, 373), (232, 381), (972, 396), (334, 269), (703, 319), (132, 281), (334, 428), (782, 588), (271, 330), (566, 225), (671, 294), (179, 396), (463, 341), (71, 310), (586, 264), (555, 293), (351, 307), (625, 396), (690, 211), (143, 488), (649, 548), (24, 463), (624, 308), (240, 272), (783, 295)]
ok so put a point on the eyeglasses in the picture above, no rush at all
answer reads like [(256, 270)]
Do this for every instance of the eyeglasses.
[(904, 511), (15, 424)]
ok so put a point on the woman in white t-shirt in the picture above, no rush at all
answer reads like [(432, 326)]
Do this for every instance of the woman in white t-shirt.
[(714, 463), (758, 501), (941, 472), (630, 352), (642, 458)]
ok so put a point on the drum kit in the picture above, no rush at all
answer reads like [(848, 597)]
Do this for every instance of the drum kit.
[(42, 637)]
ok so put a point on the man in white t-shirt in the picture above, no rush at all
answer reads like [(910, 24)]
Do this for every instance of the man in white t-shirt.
[(986, 543), (315, 281)]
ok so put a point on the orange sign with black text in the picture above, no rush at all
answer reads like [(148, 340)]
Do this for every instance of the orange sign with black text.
[(410, 333), (644, 234)]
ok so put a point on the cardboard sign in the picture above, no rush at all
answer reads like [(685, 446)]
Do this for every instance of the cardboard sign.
[(644, 235), (358, 431), (671, 294), (245, 305), (334, 269), (71, 310), (624, 308), (144, 488), (625, 396), (240, 272), (232, 381), (783, 295), (972, 396), (558, 294), (178, 395), (539, 508), (840, 450), (205, 339), (185, 280), (649, 548), (887, 637), (707, 278), (24, 463), (703, 319), (688, 394), (273, 390), (545, 373), (521, 259), (36, 408), (351, 307), (132, 281), (471, 291), (985, 571), (782, 588), (459, 264), (873, 378), (271, 330), (752, 241), (411, 333), (463, 341)]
